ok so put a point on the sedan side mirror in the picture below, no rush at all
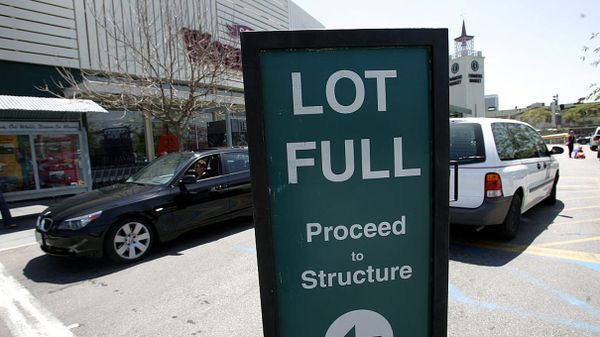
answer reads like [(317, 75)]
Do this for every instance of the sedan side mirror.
[(557, 150), (188, 179)]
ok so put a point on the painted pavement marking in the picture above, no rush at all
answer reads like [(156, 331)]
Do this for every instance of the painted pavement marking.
[(568, 242), (575, 222), (23, 314), (579, 198), (581, 187), (539, 251), (564, 296), (579, 208), (455, 294), (19, 246)]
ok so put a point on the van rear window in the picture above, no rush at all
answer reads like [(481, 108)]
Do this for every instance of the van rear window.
[(466, 143)]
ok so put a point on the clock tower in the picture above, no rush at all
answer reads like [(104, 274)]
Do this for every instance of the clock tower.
[(466, 75)]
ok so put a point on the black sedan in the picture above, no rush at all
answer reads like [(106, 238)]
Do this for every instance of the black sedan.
[(583, 140), (173, 194)]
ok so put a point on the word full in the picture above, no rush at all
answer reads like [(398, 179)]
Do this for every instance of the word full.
[(367, 172)]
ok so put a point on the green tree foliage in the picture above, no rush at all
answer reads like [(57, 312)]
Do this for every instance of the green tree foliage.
[(536, 116), (586, 113)]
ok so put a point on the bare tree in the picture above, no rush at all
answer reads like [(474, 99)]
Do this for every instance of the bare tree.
[(592, 54), (164, 59)]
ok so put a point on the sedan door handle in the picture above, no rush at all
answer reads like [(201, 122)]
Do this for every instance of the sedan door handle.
[(219, 187)]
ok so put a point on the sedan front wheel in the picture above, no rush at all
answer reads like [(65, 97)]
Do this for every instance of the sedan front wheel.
[(129, 241)]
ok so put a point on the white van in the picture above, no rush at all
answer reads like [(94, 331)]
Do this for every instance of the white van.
[(504, 169)]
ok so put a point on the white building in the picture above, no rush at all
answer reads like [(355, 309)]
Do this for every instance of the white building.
[(466, 73), (492, 103)]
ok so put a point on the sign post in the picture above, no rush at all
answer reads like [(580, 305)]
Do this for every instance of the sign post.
[(348, 139)]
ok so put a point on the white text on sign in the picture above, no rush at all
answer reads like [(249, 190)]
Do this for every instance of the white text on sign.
[(379, 75), (365, 146), (294, 161)]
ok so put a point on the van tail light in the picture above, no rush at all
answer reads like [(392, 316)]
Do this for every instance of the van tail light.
[(493, 185), (596, 138)]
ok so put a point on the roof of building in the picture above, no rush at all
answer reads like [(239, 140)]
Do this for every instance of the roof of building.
[(454, 108), (25, 103), (464, 37)]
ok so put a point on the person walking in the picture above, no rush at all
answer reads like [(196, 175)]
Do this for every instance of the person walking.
[(167, 142), (571, 142), (7, 219)]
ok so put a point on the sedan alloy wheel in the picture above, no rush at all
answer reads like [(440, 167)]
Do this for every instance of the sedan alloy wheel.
[(130, 241)]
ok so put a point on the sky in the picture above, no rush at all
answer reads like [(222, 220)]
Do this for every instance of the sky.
[(532, 48)]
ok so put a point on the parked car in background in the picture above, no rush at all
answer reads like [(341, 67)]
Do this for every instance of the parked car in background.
[(583, 140), (504, 169), (595, 140), (170, 196)]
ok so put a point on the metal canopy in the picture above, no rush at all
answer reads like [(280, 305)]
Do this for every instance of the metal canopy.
[(25, 103)]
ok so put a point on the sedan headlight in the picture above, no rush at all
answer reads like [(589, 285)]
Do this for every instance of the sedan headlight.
[(79, 222)]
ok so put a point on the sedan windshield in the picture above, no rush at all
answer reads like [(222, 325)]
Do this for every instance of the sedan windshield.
[(161, 170)]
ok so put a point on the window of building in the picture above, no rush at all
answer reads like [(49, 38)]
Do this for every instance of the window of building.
[(16, 164), (58, 160), (116, 138), (194, 137)]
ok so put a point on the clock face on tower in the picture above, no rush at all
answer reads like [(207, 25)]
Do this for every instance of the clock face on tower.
[(475, 65), (454, 68)]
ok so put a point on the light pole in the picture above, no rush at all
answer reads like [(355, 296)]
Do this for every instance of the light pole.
[(553, 106)]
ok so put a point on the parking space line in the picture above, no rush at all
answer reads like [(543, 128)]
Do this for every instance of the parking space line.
[(597, 180), (579, 198), (16, 247), (455, 294), (568, 298), (575, 222), (540, 251), (579, 208), (23, 314), (567, 242), (585, 187), (580, 178)]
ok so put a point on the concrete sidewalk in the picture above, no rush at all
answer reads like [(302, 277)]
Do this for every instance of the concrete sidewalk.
[(24, 215), (32, 207), (25, 212)]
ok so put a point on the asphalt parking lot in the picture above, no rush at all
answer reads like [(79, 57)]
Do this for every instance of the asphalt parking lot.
[(543, 283)]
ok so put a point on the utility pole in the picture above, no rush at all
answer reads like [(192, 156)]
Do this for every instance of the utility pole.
[(553, 106)]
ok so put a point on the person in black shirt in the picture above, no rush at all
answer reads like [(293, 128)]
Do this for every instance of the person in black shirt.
[(571, 142)]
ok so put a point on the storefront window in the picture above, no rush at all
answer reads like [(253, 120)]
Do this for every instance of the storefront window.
[(58, 160), (194, 137), (16, 165), (116, 138), (217, 132)]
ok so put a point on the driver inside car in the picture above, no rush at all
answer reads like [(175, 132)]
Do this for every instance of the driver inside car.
[(200, 169)]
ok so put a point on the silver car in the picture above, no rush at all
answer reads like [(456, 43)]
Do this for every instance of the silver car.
[(595, 140)]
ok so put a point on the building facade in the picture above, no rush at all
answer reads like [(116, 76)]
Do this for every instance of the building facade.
[(491, 103), (466, 74), (42, 41)]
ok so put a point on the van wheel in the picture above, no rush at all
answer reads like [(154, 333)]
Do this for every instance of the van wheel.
[(551, 199), (129, 241), (509, 228)]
